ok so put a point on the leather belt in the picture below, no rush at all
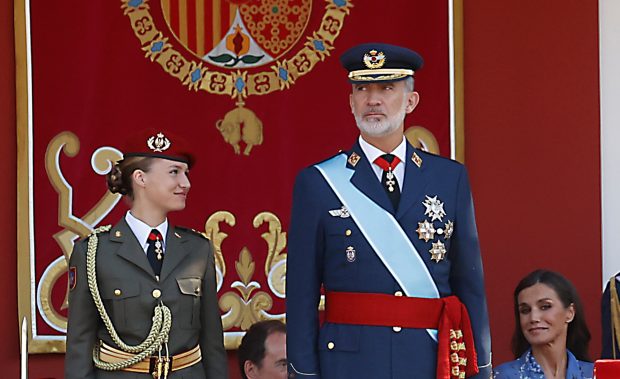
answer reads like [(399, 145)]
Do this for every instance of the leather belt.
[(177, 362)]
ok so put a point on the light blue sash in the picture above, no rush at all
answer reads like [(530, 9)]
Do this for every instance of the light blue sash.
[(382, 231)]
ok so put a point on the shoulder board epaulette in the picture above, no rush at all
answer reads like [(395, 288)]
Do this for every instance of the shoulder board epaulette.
[(191, 231), (101, 229)]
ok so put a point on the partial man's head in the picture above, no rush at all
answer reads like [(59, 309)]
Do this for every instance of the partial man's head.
[(382, 93), (262, 353)]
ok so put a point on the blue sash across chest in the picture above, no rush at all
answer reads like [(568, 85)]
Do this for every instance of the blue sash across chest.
[(382, 231)]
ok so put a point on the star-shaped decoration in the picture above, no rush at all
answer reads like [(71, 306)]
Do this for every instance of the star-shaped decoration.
[(438, 251), (449, 229), (434, 208), (426, 231)]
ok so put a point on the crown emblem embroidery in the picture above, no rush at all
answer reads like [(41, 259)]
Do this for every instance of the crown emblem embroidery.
[(158, 143), (374, 59)]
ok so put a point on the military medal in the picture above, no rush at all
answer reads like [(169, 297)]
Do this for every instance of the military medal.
[(438, 251), (158, 249), (434, 208), (390, 180), (449, 229), (426, 231)]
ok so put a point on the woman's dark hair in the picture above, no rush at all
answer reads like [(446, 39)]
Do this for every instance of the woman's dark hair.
[(578, 337), (119, 178), (252, 346)]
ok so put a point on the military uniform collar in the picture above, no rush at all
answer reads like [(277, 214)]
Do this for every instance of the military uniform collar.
[(373, 153), (141, 230)]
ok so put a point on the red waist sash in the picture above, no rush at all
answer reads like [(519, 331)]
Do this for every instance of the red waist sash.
[(456, 353)]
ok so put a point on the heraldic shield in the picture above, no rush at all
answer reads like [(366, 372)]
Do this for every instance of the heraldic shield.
[(243, 48), (237, 33)]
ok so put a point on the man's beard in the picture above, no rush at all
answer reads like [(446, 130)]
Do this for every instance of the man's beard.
[(377, 128)]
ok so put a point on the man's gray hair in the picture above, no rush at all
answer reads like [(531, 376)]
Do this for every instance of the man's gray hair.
[(409, 84)]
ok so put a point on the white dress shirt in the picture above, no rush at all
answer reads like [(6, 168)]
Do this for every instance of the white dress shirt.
[(373, 153), (142, 230)]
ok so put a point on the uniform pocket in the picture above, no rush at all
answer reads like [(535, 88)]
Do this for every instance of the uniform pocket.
[(192, 289), (118, 298)]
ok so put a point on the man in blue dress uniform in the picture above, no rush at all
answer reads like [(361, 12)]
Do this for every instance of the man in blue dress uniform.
[(610, 313), (388, 233)]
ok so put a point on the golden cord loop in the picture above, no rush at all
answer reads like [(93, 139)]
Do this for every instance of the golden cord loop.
[(160, 329)]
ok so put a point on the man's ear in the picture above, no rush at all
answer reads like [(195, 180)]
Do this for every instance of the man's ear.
[(413, 98), (250, 369)]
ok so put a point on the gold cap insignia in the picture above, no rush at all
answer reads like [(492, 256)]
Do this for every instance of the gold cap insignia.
[(374, 59), (353, 159), (417, 160), (158, 143)]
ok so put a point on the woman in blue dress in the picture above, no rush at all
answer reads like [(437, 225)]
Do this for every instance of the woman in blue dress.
[(551, 337)]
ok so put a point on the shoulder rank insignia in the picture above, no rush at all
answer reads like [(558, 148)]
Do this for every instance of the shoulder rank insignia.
[(416, 159), (190, 231), (342, 212), (353, 159)]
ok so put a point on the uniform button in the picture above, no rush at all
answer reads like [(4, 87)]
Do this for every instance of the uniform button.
[(398, 293), (397, 329), (156, 293), (330, 345), (348, 232), (117, 292), (197, 291)]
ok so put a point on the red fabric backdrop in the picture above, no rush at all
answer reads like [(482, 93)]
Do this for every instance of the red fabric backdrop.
[(531, 102)]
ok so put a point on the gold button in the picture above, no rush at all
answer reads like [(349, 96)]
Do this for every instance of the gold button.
[(197, 291), (397, 329), (117, 292), (347, 232), (156, 293), (398, 293), (330, 345)]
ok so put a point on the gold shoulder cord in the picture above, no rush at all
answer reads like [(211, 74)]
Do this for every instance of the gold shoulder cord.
[(615, 316), (162, 319)]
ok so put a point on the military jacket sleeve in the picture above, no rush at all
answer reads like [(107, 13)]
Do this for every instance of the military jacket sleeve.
[(467, 277), (83, 319), (304, 276)]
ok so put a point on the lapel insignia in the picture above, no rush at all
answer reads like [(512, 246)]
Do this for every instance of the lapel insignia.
[(438, 251), (118, 234), (426, 231), (342, 212), (353, 159), (434, 208), (416, 159)]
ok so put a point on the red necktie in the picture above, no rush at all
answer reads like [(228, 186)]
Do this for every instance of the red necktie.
[(388, 163)]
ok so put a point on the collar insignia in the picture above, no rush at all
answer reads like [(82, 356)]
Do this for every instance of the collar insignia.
[(374, 59), (118, 234), (416, 159), (353, 159), (158, 143)]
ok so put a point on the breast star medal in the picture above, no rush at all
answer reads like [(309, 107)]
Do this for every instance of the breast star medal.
[(426, 231), (438, 251), (434, 208)]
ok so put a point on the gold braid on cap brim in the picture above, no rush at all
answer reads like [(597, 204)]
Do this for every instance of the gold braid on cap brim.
[(615, 316), (160, 329), (379, 74)]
